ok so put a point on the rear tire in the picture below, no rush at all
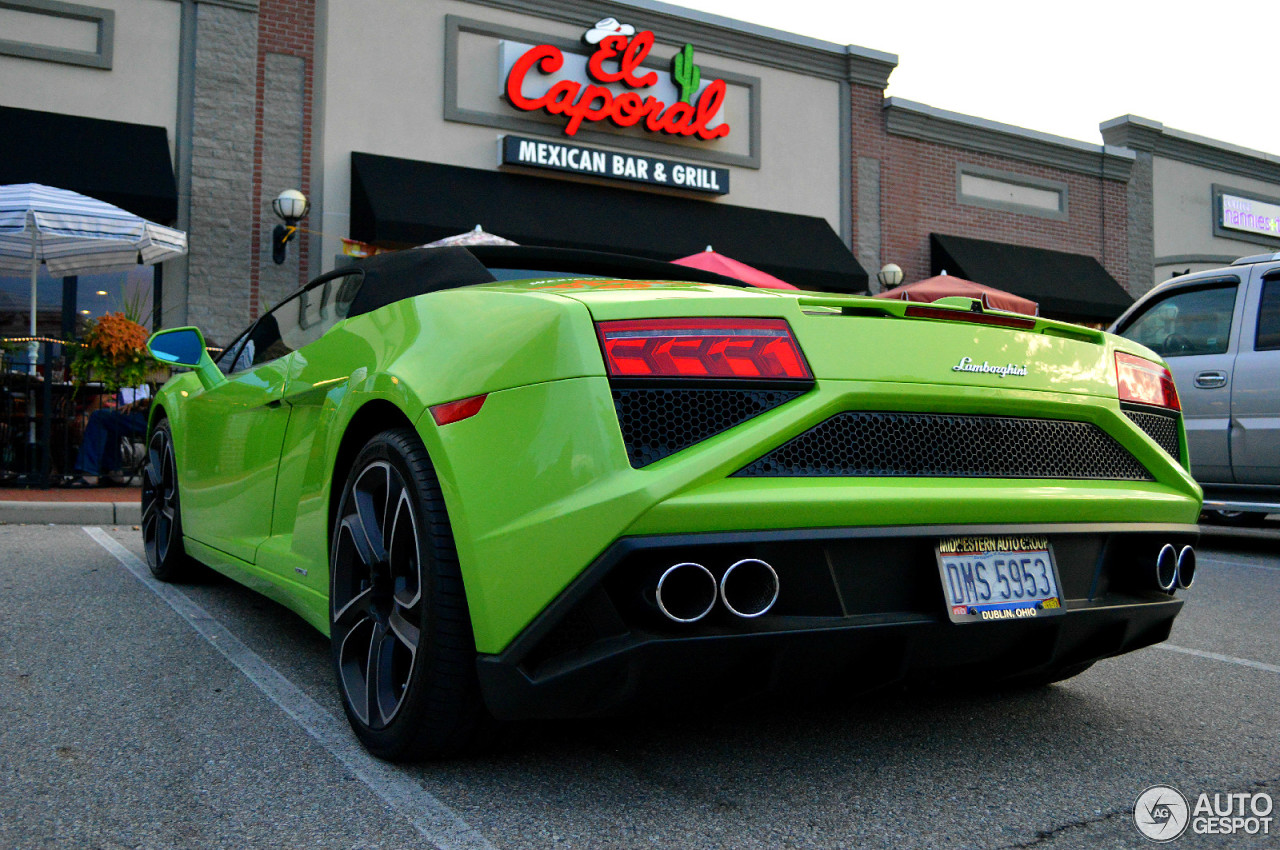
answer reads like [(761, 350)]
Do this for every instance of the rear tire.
[(162, 512), (403, 650)]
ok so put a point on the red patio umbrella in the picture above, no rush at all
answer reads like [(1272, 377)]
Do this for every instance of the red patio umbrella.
[(942, 286), (710, 261)]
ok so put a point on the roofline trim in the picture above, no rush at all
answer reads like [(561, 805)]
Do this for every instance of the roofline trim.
[(1145, 134), (728, 37), (928, 123)]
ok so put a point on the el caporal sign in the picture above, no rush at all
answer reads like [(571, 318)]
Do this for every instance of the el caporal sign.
[(614, 86)]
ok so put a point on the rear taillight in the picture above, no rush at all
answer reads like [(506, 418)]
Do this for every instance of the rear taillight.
[(1142, 381), (702, 348)]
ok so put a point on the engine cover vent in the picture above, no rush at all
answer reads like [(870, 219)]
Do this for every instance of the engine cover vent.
[(877, 444)]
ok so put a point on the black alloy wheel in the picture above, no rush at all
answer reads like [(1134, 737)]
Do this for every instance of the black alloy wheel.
[(377, 598), (161, 512), (403, 650)]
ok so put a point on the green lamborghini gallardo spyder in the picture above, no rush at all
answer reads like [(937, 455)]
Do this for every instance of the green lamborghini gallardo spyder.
[(519, 483)]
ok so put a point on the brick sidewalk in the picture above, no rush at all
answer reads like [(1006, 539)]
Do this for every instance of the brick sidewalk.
[(65, 494)]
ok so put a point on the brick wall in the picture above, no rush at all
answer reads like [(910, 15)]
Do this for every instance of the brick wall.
[(282, 142), (917, 188)]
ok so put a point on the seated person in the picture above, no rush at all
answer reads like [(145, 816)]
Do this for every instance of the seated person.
[(100, 449)]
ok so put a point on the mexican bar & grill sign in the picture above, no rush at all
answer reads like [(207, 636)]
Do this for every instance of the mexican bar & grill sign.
[(612, 85), (576, 159)]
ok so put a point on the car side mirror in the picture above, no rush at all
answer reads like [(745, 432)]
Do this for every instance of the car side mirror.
[(185, 347), (179, 346)]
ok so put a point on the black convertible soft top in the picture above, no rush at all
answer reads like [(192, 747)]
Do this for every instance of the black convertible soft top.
[(397, 275)]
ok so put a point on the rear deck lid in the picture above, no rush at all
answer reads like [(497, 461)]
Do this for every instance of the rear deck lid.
[(857, 338)]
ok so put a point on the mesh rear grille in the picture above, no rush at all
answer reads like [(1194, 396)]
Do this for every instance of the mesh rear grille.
[(659, 422), (1162, 429), (945, 445)]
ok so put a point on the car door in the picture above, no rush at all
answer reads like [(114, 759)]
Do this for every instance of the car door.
[(1255, 388), (1194, 326), (318, 373), (232, 439)]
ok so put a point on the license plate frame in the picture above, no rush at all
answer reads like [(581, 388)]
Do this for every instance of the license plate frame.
[(970, 566)]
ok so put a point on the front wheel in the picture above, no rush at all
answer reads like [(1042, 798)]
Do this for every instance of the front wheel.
[(402, 645), (161, 511)]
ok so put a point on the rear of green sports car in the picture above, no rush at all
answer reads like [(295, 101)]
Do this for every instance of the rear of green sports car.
[(553, 495), (746, 490)]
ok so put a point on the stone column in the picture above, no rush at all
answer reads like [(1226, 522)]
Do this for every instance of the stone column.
[(1141, 136), (221, 177), (868, 206)]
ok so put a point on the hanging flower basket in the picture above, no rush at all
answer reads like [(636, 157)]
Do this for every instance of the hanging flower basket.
[(114, 352)]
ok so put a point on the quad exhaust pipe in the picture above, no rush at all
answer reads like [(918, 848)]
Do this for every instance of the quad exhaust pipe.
[(749, 588), (1167, 568), (687, 592), (1175, 568), (1186, 567)]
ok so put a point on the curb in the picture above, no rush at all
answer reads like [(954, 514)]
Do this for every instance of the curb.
[(70, 513)]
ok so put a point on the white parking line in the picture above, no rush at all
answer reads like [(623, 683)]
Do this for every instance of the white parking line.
[(1200, 653), (433, 819)]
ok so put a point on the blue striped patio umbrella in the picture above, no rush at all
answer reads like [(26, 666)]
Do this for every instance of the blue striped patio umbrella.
[(74, 234)]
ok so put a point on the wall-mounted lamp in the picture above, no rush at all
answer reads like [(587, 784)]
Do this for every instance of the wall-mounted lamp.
[(292, 206), (889, 276)]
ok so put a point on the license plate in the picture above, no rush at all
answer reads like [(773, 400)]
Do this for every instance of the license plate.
[(994, 578)]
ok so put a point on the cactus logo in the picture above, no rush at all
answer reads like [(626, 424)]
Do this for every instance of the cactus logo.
[(618, 89), (685, 74)]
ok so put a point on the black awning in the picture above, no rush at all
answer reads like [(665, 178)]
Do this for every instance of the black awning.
[(1067, 286), (123, 164), (400, 202)]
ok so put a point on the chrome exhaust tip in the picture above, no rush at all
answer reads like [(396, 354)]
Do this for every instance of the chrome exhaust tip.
[(1167, 567), (686, 592), (749, 588), (1186, 567)]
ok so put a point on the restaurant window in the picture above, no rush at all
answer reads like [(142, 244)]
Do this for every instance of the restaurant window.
[(66, 305)]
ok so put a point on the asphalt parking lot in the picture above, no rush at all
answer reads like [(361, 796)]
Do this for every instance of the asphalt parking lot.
[(205, 717)]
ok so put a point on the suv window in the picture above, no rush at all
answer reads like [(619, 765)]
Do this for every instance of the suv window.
[(1268, 338), (1192, 321)]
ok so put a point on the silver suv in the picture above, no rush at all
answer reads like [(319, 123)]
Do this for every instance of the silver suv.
[(1219, 330)]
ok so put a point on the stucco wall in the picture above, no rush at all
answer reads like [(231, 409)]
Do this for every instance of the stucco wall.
[(1184, 214), (141, 87)]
